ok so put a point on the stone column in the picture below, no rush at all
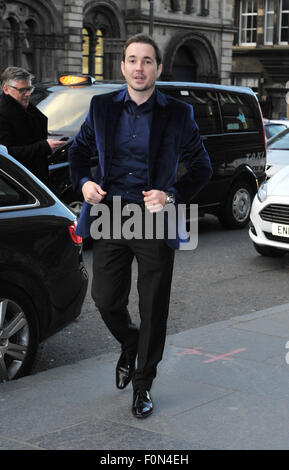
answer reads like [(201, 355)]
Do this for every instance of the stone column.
[(112, 58), (73, 24), (260, 23), (226, 42)]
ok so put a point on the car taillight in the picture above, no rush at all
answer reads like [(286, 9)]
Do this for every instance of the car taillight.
[(75, 238)]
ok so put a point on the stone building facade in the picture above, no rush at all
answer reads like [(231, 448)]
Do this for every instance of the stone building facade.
[(50, 37), (261, 52)]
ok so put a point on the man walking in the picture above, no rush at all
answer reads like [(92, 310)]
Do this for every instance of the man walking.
[(23, 128), (140, 135)]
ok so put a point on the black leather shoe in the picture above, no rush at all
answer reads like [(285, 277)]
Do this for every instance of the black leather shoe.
[(142, 405), (124, 370)]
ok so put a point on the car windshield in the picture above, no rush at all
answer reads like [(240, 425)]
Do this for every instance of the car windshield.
[(281, 142), (66, 108), (273, 129)]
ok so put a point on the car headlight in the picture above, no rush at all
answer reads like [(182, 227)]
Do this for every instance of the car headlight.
[(262, 192)]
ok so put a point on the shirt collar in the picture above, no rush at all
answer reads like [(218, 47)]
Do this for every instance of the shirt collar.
[(148, 105)]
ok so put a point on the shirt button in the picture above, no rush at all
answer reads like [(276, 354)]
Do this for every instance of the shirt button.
[(134, 136)]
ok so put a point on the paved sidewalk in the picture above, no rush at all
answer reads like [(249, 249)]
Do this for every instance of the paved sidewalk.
[(220, 386)]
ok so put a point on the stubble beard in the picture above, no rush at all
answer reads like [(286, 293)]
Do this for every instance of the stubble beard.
[(147, 87)]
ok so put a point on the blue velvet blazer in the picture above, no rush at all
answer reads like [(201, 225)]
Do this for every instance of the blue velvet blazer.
[(174, 138)]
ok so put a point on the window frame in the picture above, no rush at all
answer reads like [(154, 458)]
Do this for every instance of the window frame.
[(266, 27), (283, 12), (233, 130), (247, 15), (181, 93), (93, 52), (21, 189)]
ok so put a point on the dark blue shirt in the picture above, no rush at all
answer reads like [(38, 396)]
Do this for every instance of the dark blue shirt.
[(128, 174)]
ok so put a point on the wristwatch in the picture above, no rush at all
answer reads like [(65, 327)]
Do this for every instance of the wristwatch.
[(170, 198)]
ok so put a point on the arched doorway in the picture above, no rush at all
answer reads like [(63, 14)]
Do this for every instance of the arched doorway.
[(185, 66), (190, 57)]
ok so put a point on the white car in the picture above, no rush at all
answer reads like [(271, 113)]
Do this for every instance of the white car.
[(277, 153), (269, 217)]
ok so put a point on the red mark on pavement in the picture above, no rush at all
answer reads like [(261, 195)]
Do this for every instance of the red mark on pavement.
[(224, 356), (213, 358)]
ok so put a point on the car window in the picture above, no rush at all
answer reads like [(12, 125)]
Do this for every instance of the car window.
[(280, 142), (12, 195), (205, 106), (238, 114)]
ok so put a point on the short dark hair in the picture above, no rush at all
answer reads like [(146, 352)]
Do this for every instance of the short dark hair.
[(143, 38), (15, 73)]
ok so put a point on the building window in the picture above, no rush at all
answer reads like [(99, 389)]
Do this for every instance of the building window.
[(269, 22), (8, 52), (92, 53), (284, 22), (248, 81), (248, 22)]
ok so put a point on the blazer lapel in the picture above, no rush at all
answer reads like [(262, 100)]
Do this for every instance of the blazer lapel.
[(161, 114), (111, 119)]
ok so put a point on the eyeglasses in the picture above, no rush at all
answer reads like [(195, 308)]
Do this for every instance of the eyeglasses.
[(29, 89)]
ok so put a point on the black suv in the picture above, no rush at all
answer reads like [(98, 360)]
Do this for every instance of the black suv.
[(230, 123), (43, 281)]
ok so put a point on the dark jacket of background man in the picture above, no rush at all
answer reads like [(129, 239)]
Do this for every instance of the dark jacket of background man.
[(24, 133)]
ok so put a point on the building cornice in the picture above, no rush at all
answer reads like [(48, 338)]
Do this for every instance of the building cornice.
[(175, 23)]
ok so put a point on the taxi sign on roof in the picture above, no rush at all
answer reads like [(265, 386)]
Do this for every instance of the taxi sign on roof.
[(74, 80)]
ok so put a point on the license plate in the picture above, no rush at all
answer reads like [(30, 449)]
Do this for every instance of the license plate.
[(280, 230)]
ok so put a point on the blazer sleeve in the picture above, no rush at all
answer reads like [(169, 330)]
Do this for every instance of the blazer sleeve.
[(195, 158), (81, 151)]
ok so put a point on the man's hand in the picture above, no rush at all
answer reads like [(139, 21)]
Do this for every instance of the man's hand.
[(55, 144), (155, 200), (92, 192)]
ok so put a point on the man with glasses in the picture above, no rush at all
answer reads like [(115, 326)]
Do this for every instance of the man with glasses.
[(23, 128)]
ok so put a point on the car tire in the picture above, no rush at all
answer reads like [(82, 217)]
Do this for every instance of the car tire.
[(75, 207), (269, 251), (72, 200), (235, 213), (18, 333)]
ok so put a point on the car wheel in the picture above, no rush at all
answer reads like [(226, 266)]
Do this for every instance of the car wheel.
[(236, 211), (269, 251), (73, 201), (18, 333), (75, 207)]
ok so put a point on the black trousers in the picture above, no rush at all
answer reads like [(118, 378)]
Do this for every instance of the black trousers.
[(111, 284)]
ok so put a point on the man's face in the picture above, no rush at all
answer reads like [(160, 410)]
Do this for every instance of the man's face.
[(140, 67), (19, 90)]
